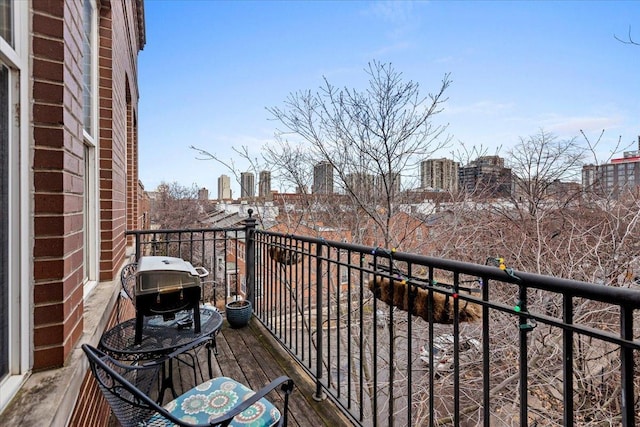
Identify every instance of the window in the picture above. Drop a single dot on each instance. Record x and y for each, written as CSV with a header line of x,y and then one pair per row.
x,y
88,43
6,21
4,220
90,220
15,296
90,114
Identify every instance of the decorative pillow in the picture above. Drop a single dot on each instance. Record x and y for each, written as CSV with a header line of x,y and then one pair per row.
x,y
214,398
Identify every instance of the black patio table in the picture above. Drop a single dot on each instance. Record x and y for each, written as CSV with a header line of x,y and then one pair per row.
x,y
161,338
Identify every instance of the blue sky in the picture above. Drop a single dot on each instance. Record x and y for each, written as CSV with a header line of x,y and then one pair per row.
x,y
210,69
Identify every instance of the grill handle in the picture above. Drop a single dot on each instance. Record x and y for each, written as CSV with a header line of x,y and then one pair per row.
x,y
202,272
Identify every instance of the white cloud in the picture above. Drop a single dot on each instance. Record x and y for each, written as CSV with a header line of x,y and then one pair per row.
x,y
573,124
394,12
445,60
391,48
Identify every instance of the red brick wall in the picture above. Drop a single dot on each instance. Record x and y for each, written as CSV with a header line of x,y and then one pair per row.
x,y
58,165
92,408
118,156
58,181
113,141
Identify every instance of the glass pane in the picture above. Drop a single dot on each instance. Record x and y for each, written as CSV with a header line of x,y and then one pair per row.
x,y
85,214
4,221
6,17
87,66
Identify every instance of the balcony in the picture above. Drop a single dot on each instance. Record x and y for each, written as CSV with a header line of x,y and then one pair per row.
x,y
392,338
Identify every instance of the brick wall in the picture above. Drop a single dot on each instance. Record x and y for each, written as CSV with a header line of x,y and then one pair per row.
x,y
92,408
58,166
58,181
115,70
118,156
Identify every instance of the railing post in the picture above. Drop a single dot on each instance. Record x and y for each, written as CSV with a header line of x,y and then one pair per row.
x,y
524,372
250,265
627,367
567,361
137,237
319,355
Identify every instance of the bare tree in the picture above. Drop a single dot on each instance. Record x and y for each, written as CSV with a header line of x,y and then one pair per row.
x,y
539,164
628,40
370,137
555,228
176,206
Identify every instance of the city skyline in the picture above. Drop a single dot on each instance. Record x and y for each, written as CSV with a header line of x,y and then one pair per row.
x,y
445,174
516,68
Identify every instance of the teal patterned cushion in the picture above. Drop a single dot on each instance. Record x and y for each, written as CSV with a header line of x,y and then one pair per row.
x,y
214,398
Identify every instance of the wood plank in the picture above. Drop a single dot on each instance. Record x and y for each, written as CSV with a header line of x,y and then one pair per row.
x,y
253,357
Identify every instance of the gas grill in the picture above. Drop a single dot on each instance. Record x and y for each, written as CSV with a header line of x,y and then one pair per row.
x,y
164,286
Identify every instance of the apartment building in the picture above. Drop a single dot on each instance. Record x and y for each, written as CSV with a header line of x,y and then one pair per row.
x,y
264,185
614,178
224,188
487,177
322,178
247,185
389,184
439,175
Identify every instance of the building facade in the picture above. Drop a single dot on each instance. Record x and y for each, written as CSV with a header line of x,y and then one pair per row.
x,y
224,188
439,175
247,185
486,177
360,183
203,194
388,185
614,178
322,178
70,189
264,185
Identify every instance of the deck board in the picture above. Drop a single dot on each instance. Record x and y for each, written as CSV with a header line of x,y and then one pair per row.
x,y
251,356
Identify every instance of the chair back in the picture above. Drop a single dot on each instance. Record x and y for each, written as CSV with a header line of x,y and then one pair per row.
x,y
125,308
128,279
125,387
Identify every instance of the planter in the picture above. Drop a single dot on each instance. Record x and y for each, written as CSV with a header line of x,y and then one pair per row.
x,y
238,313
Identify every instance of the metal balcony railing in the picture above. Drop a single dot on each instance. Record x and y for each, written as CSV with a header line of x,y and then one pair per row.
x,y
401,339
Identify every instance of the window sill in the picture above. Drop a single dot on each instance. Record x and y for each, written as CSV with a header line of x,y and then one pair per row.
x,y
49,397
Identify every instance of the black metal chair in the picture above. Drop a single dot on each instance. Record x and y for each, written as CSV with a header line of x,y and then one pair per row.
x,y
218,402
125,309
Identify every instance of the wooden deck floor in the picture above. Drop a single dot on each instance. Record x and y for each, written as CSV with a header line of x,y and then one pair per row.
x,y
251,356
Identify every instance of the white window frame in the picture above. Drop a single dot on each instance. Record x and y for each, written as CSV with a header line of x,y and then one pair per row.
x,y
20,325
91,206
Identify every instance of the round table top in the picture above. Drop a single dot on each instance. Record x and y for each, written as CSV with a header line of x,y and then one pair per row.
x,y
159,337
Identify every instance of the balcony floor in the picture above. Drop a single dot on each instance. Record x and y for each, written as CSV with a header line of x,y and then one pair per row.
x,y
252,356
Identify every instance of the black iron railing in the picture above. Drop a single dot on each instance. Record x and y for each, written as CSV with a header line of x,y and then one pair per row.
x,y
402,339
222,251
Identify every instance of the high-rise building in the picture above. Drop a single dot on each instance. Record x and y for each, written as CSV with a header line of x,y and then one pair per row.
x,y
224,187
203,194
390,181
439,174
613,178
247,185
323,178
360,183
486,176
264,185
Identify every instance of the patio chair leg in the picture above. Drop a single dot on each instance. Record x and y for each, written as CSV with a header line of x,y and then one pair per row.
x,y
212,346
